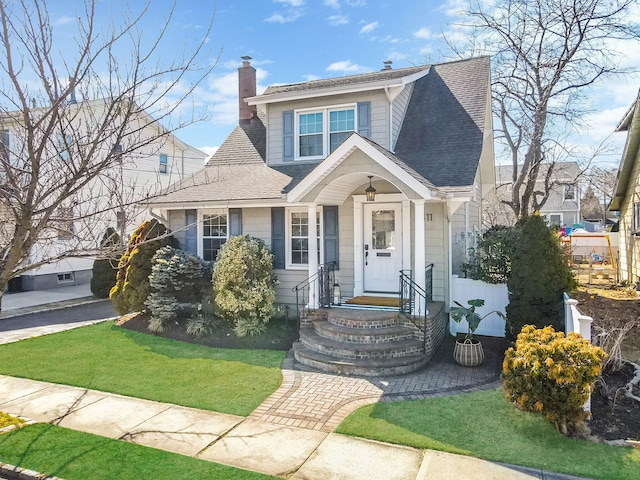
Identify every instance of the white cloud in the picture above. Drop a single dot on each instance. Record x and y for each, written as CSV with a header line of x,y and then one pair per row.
x,y
368,28
335,20
345,66
332,4
280,18
292,3
356,3
208,150
64,20
424,34
310,77
222,95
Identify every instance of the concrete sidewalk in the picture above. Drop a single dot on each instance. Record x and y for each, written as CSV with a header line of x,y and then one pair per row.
x,y
246,443
23,303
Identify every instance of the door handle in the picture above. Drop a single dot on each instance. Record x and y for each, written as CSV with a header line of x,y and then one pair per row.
x,y
366,255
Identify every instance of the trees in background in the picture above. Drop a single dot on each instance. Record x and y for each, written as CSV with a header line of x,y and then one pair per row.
x,y
68,122
545,53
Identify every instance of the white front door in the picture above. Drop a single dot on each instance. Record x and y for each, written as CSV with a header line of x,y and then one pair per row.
x,y
382,247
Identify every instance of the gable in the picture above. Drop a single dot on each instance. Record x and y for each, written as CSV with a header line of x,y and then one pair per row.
x,y
444,127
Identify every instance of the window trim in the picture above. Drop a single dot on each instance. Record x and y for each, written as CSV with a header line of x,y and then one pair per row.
x,y
201,217
326,141
289,265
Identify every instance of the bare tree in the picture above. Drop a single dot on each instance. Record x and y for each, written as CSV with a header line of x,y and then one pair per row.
x,y
602,182
71,121
545,55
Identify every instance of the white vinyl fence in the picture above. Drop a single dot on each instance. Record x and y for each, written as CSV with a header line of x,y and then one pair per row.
x,y
495,297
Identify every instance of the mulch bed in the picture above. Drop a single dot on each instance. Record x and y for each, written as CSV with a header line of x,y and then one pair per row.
x,y
615,416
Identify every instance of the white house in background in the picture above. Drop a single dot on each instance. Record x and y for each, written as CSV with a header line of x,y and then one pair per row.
x,y
140,173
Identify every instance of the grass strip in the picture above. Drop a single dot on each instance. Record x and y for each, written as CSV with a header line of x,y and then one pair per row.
x,y
484,424
113,359
76,455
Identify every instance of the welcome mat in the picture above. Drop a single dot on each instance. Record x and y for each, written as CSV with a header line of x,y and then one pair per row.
x,y
375,301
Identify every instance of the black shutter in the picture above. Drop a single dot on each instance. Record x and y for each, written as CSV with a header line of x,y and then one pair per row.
x,y
331,243
278,236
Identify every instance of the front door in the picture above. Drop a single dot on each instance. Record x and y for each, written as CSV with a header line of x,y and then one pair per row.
x,y
383,247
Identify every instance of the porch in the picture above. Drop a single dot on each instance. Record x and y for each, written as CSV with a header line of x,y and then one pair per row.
x,y
367,335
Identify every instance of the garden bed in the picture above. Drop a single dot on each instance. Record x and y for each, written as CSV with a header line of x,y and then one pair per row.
x,y
280,334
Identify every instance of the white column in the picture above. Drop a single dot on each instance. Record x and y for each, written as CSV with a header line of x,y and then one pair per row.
x,y
419,255
406,235
358,247
313,257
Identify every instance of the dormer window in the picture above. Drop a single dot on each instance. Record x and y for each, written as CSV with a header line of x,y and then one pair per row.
x,y
320,131
569,192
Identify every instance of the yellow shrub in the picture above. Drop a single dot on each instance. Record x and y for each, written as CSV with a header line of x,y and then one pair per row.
x,y
551,373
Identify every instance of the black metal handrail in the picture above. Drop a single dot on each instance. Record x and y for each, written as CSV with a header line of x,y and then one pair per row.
x,y
320,284
414,300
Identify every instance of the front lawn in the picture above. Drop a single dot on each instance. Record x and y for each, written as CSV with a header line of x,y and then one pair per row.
x,y
113,359
483,424
77,456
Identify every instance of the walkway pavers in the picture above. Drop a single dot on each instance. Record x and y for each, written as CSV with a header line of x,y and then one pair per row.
x,y
320,401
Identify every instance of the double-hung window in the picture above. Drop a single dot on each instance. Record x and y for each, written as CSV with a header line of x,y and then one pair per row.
x,y
321,131
164,163
300,233
214,234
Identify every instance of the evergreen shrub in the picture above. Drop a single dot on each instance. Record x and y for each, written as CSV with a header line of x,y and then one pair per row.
x,y
132,280
175,286
540,275
490,260
552,374
244,285
105,268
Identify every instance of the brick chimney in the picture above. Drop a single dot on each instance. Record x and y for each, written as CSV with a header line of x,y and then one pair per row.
x,y
246,89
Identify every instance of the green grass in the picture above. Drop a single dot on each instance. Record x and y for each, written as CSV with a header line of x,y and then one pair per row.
x,y
113,359
77,456
483,424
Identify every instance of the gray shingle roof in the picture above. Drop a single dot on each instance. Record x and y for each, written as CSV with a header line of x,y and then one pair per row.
x,y
342,81
442,133
237,171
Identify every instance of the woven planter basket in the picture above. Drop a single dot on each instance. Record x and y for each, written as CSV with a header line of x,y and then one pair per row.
x,y
468,353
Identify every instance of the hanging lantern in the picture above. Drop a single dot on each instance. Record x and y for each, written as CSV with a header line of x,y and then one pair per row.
x,y
370,191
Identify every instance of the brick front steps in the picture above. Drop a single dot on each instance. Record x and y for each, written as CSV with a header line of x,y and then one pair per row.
x,y
368,342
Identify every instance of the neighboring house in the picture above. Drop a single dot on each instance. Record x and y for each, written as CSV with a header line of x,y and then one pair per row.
x,y
379,173
161,159
562,208
626,197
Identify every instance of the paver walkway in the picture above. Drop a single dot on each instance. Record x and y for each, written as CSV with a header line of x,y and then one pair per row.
x,y
320,401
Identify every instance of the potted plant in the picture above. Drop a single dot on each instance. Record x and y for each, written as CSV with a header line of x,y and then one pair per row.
x,y
468,351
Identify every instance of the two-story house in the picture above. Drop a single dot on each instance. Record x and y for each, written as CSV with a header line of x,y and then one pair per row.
x,y
146,159
562,207
374,174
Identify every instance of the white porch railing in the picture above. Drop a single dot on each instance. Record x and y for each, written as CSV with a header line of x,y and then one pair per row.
x,y
576,322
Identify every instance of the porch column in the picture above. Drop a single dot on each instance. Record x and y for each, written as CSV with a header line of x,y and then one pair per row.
x,y
419,255
358,247
313,256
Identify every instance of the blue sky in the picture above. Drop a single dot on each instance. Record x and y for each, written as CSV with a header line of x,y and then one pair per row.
x,y
297,40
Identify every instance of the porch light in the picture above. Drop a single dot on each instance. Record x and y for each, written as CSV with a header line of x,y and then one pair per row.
x,y
370,191
337,295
